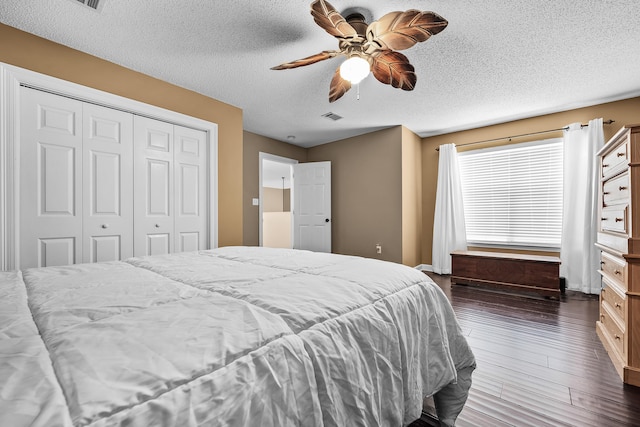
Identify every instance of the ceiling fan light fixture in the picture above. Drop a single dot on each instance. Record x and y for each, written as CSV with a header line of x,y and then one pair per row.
x,y
355,69
370,48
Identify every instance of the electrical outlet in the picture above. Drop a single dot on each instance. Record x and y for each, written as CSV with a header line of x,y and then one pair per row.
x,y
378,248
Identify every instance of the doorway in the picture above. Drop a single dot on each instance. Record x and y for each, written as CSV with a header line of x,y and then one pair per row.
x,y
275,217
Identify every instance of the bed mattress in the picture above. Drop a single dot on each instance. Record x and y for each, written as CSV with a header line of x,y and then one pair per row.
x,y
235,336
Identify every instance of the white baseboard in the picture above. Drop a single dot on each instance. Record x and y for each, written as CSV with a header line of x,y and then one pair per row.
x,y
425,267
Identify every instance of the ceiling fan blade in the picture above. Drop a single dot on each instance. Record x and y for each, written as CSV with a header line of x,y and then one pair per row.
x,y
401,30
326,54
339,86
393,68
333,23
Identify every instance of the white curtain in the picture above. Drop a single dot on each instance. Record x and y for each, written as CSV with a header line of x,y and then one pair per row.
x,y
449,231
578,254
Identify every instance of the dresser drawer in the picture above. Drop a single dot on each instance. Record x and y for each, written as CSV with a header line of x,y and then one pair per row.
x,y
616,159
612,329
616,303
616,190
614,219
614,269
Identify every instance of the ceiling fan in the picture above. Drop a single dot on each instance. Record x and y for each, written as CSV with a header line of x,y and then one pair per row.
x,y
371,47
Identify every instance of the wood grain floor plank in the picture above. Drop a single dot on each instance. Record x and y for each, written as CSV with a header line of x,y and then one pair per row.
x,y
531,385
619,412
557,411
489,384
505,411
472,418
506,347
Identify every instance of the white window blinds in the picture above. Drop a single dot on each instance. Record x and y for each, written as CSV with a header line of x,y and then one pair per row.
x,y
513,194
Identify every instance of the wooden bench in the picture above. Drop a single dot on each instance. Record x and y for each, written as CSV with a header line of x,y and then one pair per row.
x,y
531,273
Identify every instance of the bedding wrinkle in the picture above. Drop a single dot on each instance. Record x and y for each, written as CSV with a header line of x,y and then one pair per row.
x,y
281,292
215,383
76,303
45,401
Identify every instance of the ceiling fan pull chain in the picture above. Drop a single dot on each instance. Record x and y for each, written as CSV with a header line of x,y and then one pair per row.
x,y
358,92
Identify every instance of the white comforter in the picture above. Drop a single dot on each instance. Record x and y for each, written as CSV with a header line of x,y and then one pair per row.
x,y
228,337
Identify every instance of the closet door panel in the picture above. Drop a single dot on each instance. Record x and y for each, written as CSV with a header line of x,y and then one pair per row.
x,y
158,244
56,251
154,187
56,166
108,189
190,242
191,189
105,248
158,187
50,179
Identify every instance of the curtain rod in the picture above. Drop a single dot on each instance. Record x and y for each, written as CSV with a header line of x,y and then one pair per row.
x,y
608,122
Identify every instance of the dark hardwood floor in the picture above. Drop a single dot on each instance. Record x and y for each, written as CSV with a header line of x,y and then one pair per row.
x,y
539,362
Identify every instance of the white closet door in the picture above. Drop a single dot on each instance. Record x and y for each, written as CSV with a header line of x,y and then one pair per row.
x,y
108,189
190,160
50,180
153,182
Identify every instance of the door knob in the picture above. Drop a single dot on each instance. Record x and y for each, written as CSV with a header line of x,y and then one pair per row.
x,y
327,220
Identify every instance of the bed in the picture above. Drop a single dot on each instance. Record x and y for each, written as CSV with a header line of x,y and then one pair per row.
x,y
235,336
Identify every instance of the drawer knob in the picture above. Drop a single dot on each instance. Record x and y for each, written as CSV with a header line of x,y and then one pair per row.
x,y
105,226
605,166
617,272
618,305
602,316
622,188
619,219
616,336
621,154
605,193
604,219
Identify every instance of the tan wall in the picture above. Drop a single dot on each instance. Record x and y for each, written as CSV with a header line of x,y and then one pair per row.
x,y
276,200
366,200
253,145
623,112
37,54
411,198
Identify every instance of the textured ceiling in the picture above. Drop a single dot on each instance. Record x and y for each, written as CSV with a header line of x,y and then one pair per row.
x,y
496,61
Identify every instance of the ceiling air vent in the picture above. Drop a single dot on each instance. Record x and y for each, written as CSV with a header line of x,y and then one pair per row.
x,y
332,116
93,4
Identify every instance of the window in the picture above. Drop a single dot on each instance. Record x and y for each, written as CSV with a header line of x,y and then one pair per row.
x,y
513,194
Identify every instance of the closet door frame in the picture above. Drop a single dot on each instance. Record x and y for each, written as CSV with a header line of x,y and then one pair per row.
x,y
11,78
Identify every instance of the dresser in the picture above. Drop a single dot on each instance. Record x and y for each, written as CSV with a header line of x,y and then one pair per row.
x,y
619,242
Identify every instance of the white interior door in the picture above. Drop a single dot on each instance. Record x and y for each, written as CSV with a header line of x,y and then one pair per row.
x,y
50,179
108,189
153,182
190,162
312,206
